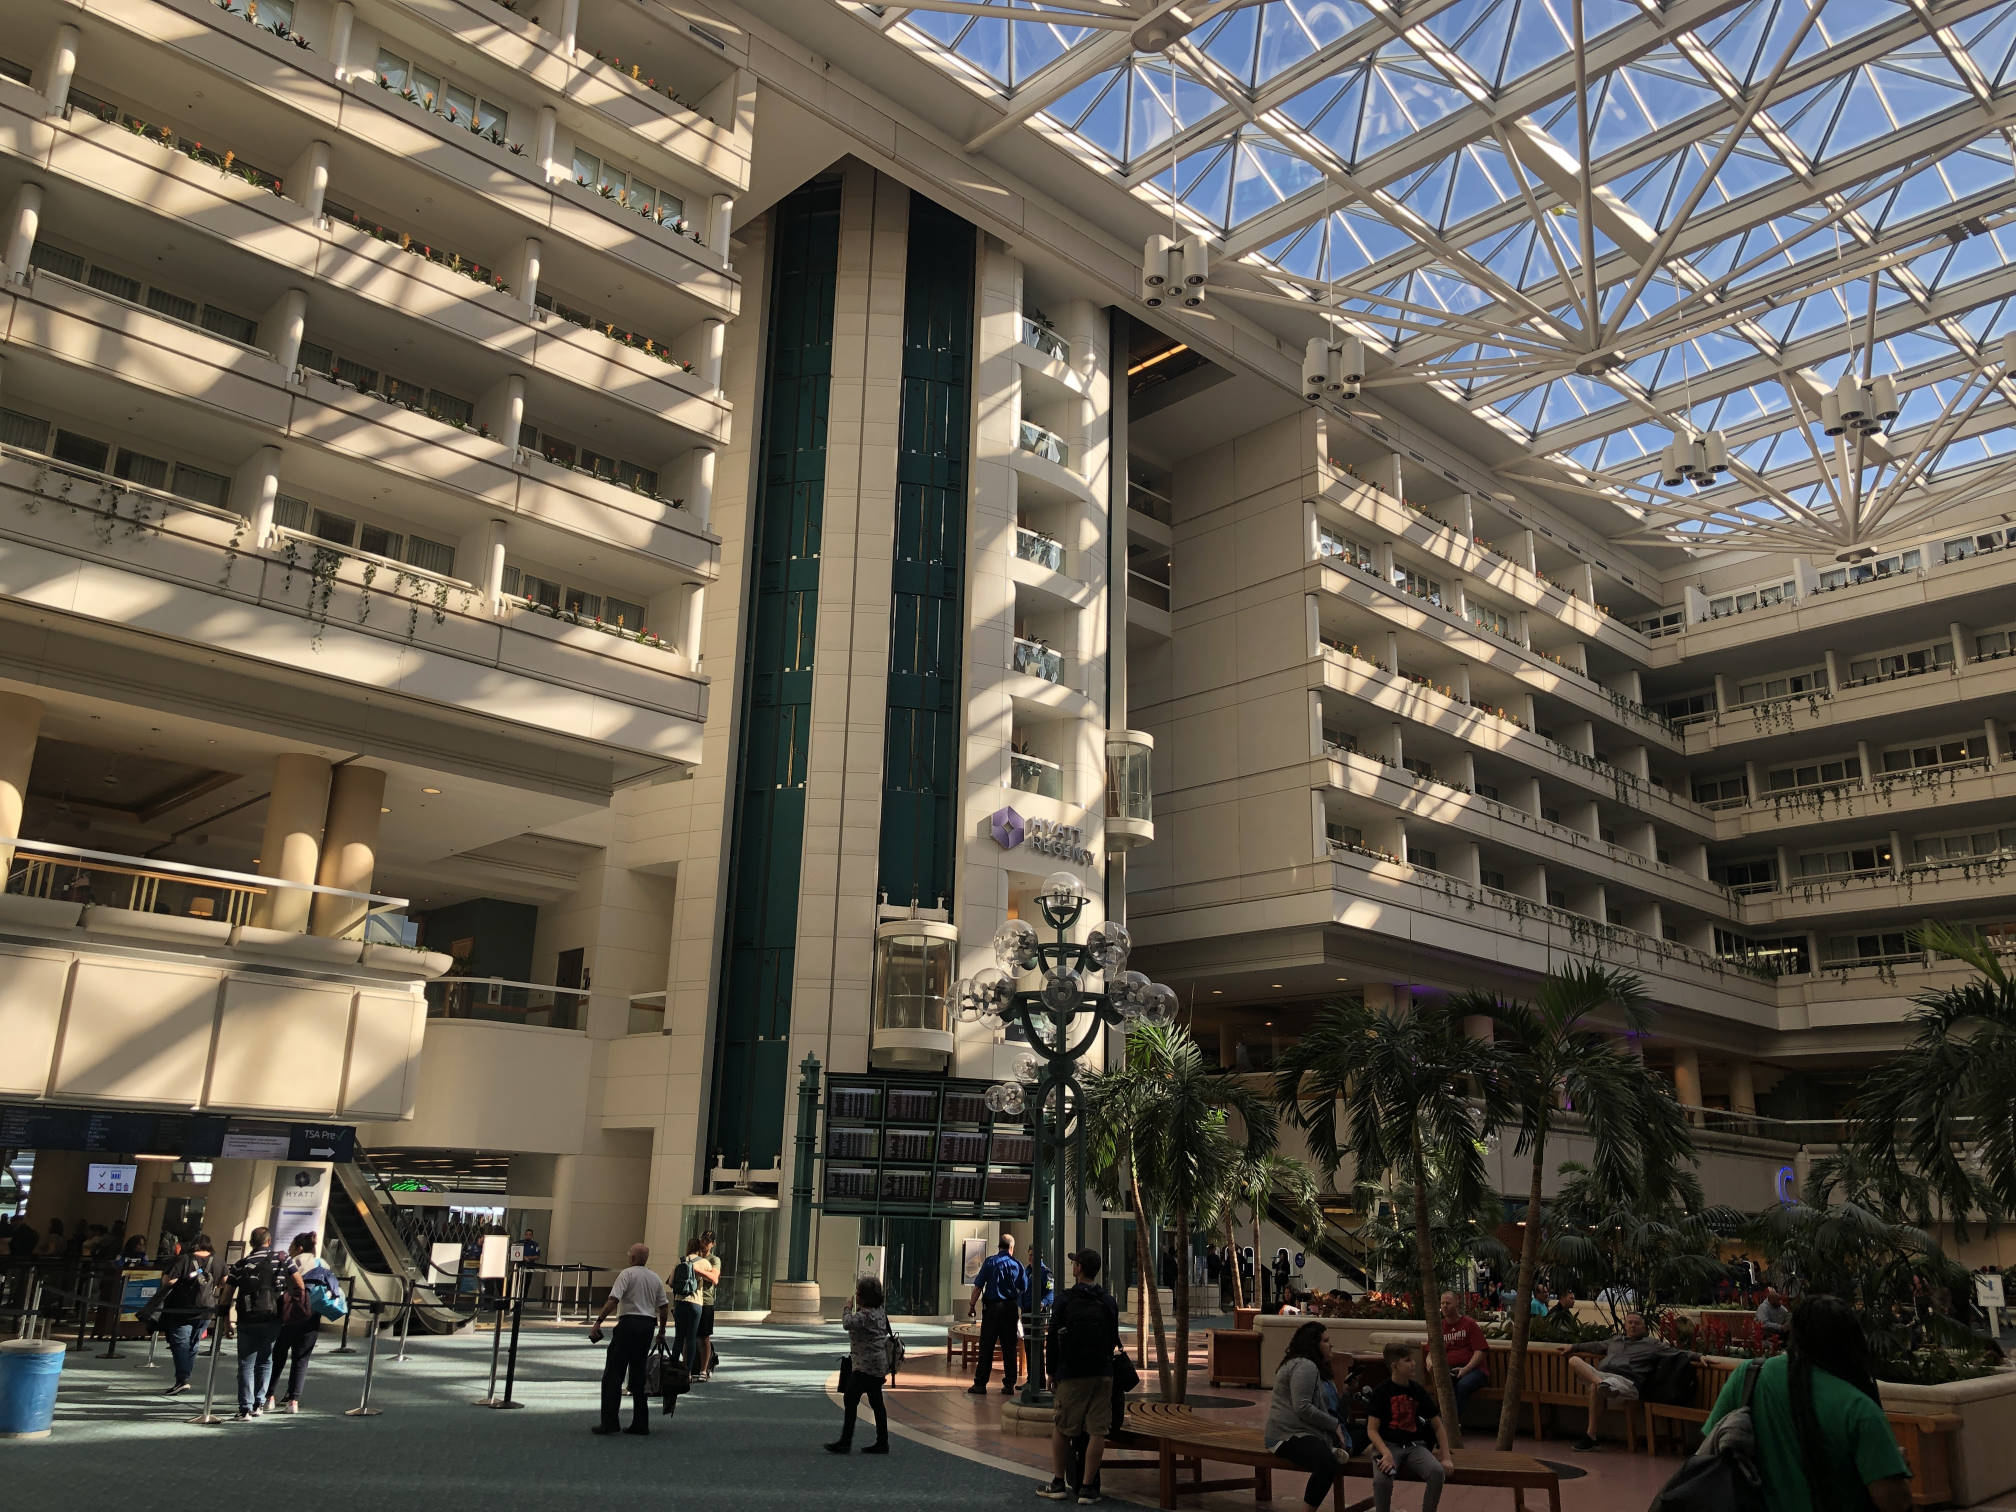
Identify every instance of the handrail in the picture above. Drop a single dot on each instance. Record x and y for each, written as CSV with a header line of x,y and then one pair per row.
x,y
490,981
1045,340
203,873
110,480
1043,442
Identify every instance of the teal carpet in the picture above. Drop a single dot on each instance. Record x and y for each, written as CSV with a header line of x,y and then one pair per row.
x,y
751,1436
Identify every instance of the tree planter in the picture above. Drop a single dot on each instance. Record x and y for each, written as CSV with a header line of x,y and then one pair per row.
x,y
1981,1461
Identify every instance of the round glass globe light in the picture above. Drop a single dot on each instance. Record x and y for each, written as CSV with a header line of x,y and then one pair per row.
x,y
1109,946
1015,947
1062,890
1061,991
1158,1004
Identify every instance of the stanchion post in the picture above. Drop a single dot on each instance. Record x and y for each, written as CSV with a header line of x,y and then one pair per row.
x,y
343,1344
511,1366
489,1398
405,1322
209,1419
364,1407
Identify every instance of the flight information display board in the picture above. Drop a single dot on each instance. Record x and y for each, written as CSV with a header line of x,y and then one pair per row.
x,y
189,1136
921,1147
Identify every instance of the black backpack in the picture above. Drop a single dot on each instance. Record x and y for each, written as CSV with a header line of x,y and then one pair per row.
x,y
256,1279
1723,1475
1088,1332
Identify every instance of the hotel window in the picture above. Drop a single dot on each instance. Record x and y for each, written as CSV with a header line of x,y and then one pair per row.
x,y
1941,753
1419,584
1721,792
1490,876
447,99
1901,663
1791,684
626,187
1812,774
1330,544
1859,858
1993,643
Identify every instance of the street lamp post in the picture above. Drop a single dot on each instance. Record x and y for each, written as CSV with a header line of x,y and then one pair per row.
x,y
1046,1082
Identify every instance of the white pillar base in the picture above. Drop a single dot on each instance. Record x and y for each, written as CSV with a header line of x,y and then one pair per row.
x,y
794,1302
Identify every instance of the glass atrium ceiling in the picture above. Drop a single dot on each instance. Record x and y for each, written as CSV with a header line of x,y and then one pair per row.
x,y
1594,223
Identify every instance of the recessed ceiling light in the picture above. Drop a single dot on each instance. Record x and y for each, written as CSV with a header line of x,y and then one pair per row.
x,y
384,811
1217,992
1269,1024
1343,979
432,792
1274,984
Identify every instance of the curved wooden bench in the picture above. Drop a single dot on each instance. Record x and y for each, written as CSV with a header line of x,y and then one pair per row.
x,y
964,1337
1180,1439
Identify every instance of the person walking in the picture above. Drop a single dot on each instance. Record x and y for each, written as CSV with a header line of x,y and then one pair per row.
x,y
252,1286
868,1336
638,1299
1397,1419
300,1324
997,1298
1084,1336
693,1282
1300,1428
1822,1437
189,1301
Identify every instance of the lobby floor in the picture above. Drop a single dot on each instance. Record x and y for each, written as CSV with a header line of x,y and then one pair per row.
x,y
752,1436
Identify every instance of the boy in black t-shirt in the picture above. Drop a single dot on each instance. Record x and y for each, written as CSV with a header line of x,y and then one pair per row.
x,y
1398,1418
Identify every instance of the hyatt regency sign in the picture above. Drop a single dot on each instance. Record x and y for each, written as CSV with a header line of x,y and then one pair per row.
x,y
1066,842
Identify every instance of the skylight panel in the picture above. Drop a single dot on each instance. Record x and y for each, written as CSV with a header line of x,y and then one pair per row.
x,y
1991,38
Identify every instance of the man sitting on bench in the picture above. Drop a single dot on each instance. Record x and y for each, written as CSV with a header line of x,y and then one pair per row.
x,y
1398,1419
1617,1379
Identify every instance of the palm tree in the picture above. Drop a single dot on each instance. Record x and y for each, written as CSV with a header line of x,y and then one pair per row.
x,y
1953,1087
1651,1240
1256,1182
1460,1235
1557,1060
1179,1149
1415,1092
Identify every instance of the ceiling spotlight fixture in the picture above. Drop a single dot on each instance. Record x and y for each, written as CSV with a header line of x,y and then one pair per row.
x,y
1174,270
1856,408
432,792
1698,462
1333,371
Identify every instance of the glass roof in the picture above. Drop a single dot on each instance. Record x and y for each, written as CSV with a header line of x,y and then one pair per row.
x,y
1714,230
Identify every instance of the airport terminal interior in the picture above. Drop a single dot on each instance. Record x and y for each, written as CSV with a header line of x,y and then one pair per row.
x,y
865,628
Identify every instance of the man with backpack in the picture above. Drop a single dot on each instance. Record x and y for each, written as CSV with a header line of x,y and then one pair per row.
x,y
997,1298
693,1282
188,1299
253,1285
1084,1336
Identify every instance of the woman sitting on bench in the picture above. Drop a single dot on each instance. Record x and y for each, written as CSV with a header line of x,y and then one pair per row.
x,y
1298,1429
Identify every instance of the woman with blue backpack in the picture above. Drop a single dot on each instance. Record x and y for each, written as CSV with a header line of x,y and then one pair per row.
x,y
308,1294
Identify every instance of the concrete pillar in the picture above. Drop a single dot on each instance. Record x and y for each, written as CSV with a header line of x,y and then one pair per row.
x,y
524,276
1644,839
502,409
1864,756
542,143
1753,781
1991,730
1582,582
1527,795
700,486
307,180
20,723
296,810
1631,685
1478,1026
1382,558
1461,769
349,850
1958,632
282,328
1896,853
1463,517
721,224
1637,760
1687,1079
1522,627
1522,550
1742,1087
59,67
342,17
1465,861
254,491
713,342
1833,671
1228,1045
1721,693
24,220
1580,735
567,25
494,534
695,610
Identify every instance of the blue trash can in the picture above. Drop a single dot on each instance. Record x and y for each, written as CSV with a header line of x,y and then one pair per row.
x,y
29,1373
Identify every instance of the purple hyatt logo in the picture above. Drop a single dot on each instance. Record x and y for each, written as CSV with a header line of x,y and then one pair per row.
x,y
1005,825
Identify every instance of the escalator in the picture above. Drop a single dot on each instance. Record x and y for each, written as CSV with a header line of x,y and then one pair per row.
x,y
372,1259
1337,1245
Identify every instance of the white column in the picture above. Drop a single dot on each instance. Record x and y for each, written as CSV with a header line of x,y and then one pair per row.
x,y
307,180
568,26
494,535
59,67
341,18
282,328
722,224
1687,1079
1896,853
254,491
291,851
525,274
349,850
20,723
1833,670
24,219
1960,637
1864,756
713,342
1991,730
502,408
1522,550
700,486
1742,1087
696,607
542,144
1721,693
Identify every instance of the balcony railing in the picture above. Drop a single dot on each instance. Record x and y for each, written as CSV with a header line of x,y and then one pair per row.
x,y
140,884
1032,774
498,1001
647,1013
1045,340
1145,501
1147,590
1043,550
1046,444
1038,660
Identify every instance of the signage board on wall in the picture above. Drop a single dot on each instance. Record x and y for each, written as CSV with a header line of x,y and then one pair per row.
x,y
191,1136
113,1179
300,1202
925,1147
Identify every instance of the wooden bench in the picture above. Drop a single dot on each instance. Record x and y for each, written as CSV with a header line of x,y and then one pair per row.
x,y
1549,1383
1180,1439
965,1338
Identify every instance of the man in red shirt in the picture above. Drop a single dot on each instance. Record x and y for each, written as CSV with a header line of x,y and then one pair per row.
x,y
1469,1356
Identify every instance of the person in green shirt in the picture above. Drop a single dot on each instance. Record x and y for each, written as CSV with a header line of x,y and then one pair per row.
x,y
1819,1423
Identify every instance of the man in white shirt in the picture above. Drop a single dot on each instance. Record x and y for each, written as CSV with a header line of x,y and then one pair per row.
x,y
637,1297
